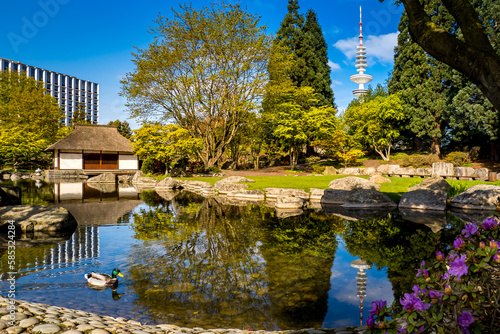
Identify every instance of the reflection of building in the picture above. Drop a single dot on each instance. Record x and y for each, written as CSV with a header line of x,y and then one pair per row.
x,y
70,92
91,206
94,148
361,78
83,244
361,283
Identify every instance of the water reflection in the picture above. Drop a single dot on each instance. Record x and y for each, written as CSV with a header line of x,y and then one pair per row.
x,y
195,261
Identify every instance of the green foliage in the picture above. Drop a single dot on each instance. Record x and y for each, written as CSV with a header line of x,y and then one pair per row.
x,y
165,143
80,115
318,169
457,158
375,123
152,166
205,70
415,160
213,170
349,158
29,118
123,128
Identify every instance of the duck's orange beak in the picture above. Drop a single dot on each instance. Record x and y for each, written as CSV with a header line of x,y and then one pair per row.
x,y
120,274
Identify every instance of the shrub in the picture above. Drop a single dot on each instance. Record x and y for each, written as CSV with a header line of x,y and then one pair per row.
x,y
416,160
152,166
457,158
213,170
312,159
318,169
456,293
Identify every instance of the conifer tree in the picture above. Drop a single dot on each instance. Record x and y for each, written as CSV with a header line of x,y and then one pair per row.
x,y
424,84
313,54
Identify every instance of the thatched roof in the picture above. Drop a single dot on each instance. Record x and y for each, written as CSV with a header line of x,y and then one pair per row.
x,y
93,138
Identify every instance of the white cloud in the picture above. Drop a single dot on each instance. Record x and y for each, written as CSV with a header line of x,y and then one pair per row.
x,y
333,66
337,83
378,48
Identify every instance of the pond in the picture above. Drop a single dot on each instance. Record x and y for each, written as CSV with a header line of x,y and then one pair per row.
x,y
199,262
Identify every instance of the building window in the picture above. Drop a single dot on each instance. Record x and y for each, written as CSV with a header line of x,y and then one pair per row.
x,y
40,75
15,67
5,66
32,72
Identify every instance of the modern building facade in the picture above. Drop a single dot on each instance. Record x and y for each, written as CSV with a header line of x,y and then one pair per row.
x,y
70,92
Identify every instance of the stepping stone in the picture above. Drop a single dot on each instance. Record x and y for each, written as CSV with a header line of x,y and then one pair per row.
x,y
25,323
46,329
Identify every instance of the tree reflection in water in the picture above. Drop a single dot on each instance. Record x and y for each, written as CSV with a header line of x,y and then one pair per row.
x,y
214,265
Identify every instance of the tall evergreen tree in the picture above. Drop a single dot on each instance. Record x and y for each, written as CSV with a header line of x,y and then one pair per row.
x,y
424,83
314,57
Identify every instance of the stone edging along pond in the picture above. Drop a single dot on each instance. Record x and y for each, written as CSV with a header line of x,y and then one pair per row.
x,y
17,316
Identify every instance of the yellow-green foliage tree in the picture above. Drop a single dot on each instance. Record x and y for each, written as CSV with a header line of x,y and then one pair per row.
x,y
376,123
29,118
205,71
165,143
290,111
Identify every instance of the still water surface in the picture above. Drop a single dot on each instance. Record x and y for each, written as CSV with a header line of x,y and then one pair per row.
x,y
199,262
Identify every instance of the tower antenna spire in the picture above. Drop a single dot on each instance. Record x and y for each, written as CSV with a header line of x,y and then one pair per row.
x,y
361,78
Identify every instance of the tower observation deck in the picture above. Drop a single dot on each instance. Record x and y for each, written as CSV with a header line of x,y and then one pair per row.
x,y
361,78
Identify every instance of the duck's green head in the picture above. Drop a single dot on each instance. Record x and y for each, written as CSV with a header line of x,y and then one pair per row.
x,y
116,272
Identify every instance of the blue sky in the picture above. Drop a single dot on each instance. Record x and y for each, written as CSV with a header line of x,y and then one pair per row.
x,y
93,40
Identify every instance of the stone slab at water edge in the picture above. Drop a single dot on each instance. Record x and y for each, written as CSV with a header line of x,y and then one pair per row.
x,y
18,316
37,218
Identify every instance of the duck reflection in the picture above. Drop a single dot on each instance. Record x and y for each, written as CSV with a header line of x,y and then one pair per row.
x,y
114,291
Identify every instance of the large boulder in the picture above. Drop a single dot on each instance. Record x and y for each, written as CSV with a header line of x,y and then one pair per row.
x,y
37,219
442,169
353,183
351,171
387,169
289,202
480,197
103,178
330,170
169,183
106,188
316,194
379,179
430,194
276,192
482,173
136,176
359,198
424,172
423,199
434,182
10,196
464,172
227,187
254,195
405,171
368,198
235,179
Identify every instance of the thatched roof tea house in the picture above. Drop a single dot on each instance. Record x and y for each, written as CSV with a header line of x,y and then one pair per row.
x,y
94,147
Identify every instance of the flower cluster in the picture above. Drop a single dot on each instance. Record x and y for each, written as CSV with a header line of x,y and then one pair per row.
x,y
458,292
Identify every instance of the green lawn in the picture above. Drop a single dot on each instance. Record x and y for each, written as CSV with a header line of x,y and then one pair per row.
x,y
394,190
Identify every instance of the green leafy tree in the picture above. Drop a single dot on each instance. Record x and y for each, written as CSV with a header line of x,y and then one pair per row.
x,y
473,53
375,123
205,71
29,118
123,128
80,115
165,143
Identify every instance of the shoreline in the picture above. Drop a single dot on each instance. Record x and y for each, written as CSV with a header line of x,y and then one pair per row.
x,y
28,317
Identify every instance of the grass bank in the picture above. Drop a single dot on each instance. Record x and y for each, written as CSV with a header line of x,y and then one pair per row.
x,y
394,190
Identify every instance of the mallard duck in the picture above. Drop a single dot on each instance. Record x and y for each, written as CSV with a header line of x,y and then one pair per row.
x,y
99,279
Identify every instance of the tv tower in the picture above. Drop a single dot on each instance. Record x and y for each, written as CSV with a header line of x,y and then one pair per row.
x,y
361,78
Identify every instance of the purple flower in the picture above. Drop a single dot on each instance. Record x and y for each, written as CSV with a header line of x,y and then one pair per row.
x,y
466,320
458,267
377,306
469,229
489,223
401,330
421,271
459,243
440,256
418,291
435,296
370,322
412,302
